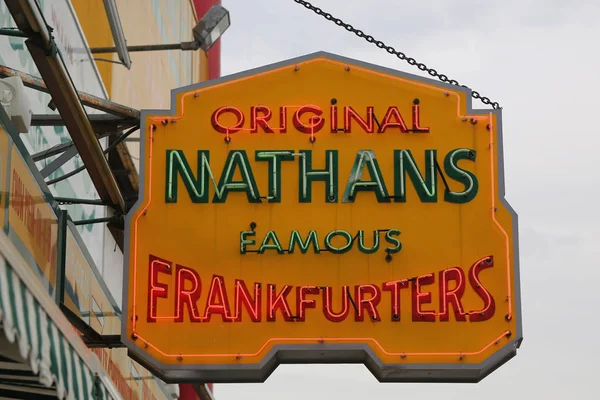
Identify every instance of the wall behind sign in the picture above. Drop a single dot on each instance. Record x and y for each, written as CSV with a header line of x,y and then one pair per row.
x,y
152,75
31,223
73,47
86,294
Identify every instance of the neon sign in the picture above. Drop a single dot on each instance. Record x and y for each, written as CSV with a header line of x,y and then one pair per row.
x,y
188,288
331,218
310,119
405,169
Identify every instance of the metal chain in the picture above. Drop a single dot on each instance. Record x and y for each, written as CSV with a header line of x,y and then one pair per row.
x,y
432,72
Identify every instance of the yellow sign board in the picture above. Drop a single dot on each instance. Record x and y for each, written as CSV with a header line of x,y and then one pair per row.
x,y
322,210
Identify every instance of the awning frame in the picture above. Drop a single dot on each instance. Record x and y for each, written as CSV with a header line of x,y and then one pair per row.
x,y
13,260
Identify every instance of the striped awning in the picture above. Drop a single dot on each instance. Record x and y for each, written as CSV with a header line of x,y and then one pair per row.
x,y
48,346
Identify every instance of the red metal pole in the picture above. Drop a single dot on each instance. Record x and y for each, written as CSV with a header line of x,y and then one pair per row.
x,y
214,54
187,392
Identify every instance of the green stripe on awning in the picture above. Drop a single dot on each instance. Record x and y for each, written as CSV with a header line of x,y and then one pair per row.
x,y
39,340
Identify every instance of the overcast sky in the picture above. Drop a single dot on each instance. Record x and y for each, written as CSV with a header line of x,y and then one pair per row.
x,y
541,60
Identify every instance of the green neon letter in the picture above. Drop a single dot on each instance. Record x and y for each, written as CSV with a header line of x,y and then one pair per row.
x,y
246,242
344,248
237,159
361,242
328,175
296,238
425,188
270,237
197,188
274,158
467,178
389,237
376,184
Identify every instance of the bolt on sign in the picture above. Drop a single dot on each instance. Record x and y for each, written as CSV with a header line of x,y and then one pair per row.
x,y
322,210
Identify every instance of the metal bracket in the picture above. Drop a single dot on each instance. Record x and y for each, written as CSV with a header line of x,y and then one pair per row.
x,y
69,201
193,45
110,341
52,151
87,99
59,161
100,122
115,218
90,337
110,148
61,257
103,125
14,32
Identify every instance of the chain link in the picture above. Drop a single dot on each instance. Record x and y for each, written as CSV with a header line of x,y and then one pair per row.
x,y
432,72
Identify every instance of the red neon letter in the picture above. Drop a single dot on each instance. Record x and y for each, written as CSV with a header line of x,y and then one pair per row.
x,y
489,305
243,296
395,288
278,302
333,122
328,308
370,304
282,119
416,120
302,303
155,288
239,115
187,297
316,121
260,120
350,114
393,113
217,302
452,297
419,298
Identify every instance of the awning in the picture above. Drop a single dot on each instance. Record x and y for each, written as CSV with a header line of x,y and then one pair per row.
x,y
44,340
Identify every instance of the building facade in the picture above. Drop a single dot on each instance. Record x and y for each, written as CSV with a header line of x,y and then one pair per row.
x,y
56,268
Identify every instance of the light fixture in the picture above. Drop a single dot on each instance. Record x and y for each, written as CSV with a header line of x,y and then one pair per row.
x,y
210,28
206,33
15,102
